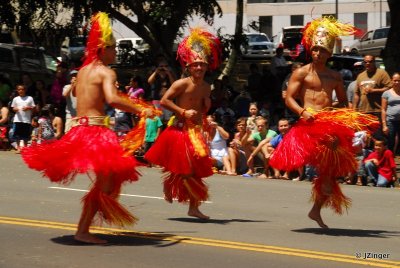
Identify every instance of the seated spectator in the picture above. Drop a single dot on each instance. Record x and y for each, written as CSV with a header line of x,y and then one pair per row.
x,y
263,132
380,165
360,141
236,150
45,129
35,131
267,147
4,126
217,137
251,120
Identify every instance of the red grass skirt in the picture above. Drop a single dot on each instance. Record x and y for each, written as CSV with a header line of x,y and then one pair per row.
x,y
325,145
88,149
184,169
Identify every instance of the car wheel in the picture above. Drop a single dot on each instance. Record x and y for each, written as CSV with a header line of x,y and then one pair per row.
x,y
354,51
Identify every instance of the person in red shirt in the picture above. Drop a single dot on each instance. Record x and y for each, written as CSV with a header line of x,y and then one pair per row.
x,y
380,165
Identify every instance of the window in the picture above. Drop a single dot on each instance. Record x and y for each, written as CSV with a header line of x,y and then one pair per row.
x,y
296,20
6,55
361,22
266,25
29,58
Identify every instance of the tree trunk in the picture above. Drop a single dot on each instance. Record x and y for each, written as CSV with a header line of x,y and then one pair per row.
x,y
235,51
391,56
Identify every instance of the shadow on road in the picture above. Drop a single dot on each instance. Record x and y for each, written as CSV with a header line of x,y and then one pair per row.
x,y
348,232
113,240
214,221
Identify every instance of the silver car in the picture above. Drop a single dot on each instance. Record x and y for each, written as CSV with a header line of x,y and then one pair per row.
x,y
371,43
258,45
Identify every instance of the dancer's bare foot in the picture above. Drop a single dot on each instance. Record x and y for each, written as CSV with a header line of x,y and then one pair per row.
x,y
168,197
315,216
195,212
89,238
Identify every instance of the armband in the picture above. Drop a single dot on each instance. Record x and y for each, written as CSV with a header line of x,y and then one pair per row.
x,y
302,111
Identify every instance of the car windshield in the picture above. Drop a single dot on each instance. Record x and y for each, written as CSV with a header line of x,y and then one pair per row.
x,y
257,38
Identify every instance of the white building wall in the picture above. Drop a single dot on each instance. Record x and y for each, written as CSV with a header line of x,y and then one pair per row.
x,y
281,13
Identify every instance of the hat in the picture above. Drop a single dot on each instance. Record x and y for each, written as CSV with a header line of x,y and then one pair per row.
x,y
322,32
73,72
200,46
100,37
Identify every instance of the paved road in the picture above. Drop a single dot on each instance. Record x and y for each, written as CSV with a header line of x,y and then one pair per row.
x,y
255,223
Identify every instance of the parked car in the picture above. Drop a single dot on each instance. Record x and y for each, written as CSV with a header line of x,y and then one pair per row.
x,y
258,45
16,60
73,49
290,39
372,42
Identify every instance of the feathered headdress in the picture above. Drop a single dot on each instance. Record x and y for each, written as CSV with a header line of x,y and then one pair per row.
x,y
100,36
323,32
200,46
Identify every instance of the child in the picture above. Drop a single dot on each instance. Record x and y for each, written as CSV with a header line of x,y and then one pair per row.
x,y
237,152
46,131
380,165
22,105
135,89
153,130
35,131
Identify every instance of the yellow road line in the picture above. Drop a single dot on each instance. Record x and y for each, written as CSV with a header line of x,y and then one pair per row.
x,y
207,242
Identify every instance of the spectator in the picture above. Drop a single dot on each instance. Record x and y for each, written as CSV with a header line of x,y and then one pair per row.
x,y
70,108
45,129
241,103
279,64
263,132
224,110
358,67
371,83
35,130
22,106
57,87
237,152
360,142
251,120
153,130
56,121
4,112
289,114
42,96
160,80
5,90
217,137
254,81
27,82
135,88
380,165
391,112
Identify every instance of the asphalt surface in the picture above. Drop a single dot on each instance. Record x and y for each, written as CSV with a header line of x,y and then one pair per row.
x,y
254,223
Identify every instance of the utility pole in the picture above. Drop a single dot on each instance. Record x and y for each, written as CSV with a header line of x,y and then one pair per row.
x,y
337,9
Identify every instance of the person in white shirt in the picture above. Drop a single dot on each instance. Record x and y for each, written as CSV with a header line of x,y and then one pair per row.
x,y
22,106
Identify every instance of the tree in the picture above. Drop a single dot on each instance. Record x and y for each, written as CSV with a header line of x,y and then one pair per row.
x,y
392,52
236,41
158,22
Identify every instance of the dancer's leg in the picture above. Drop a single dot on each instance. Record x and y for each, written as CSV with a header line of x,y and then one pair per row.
x,y
89,211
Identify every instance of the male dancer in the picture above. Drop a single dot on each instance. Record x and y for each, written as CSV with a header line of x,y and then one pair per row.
x,y
91,146
321,139
181,148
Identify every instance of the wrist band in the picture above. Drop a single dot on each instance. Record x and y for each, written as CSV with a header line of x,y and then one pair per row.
x,y
302,111
183,113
